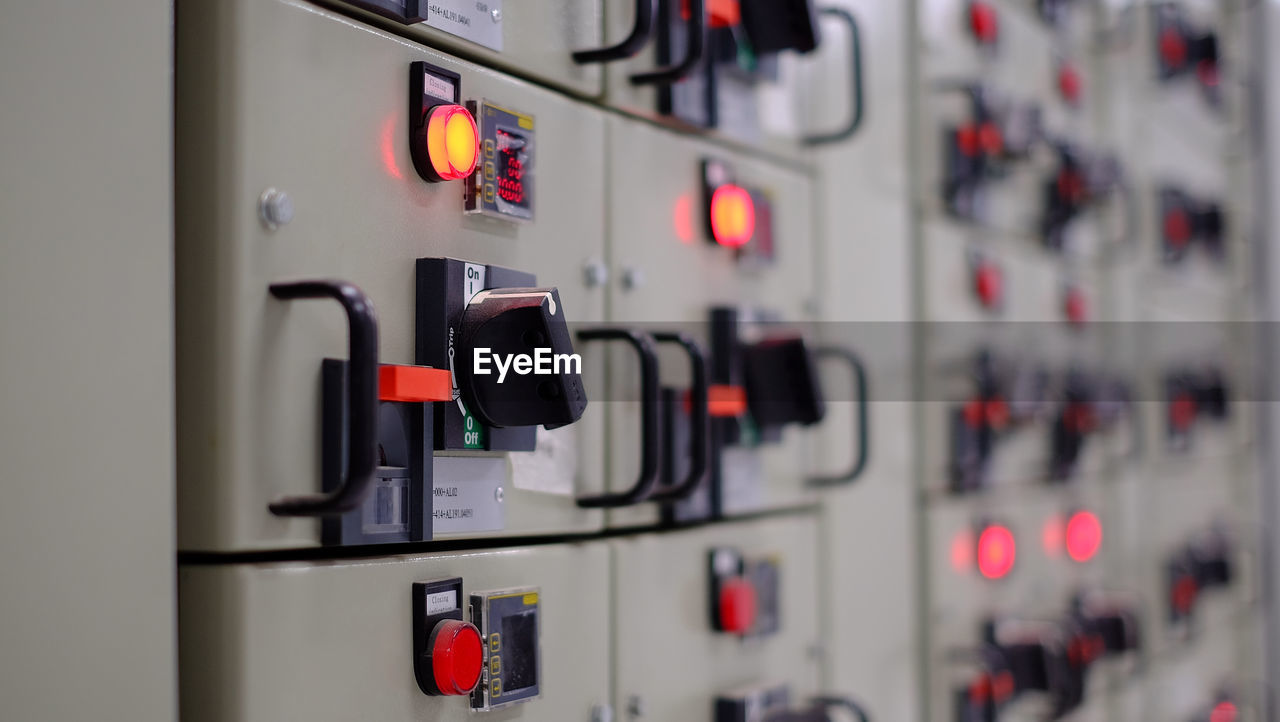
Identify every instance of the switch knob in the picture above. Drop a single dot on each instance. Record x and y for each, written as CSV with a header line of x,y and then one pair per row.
x,y
457,656
524,331
782,383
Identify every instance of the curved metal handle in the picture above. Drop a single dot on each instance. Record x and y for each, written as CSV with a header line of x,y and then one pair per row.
x,y
649,418
858,109
646,10
862,434
362,399
843,703
694,50
701,420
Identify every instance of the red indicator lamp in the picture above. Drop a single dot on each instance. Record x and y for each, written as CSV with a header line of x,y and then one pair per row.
x,y
988,284
983,22
457,656
1069,83
1177,227
1083,536
733,215
736,606
1224,712
997,551
1182,411
1075,307
452,142
1173,47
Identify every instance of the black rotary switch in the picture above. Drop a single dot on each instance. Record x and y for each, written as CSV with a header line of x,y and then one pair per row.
x,y
515,362
782,383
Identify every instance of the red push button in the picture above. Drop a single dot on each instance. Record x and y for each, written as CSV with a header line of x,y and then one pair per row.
x,y
1177,227
988,284
737,606
457,656
1075,307
1173,48
983,22
1069,83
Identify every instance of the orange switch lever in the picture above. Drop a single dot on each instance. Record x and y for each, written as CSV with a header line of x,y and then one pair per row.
x,y
414,384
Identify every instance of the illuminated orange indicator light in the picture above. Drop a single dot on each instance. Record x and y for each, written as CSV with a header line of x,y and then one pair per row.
x,y
733,216
453,142
997,551
1084,536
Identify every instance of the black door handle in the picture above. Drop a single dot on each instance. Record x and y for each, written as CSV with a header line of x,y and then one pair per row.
x,y
856,96
862,434
649,420
362,399
694,50
632,44
700,420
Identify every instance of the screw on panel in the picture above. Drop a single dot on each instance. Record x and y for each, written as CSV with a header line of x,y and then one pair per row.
x,y
496,14
595,273
635,706
498,495
275,208
632,278
602,713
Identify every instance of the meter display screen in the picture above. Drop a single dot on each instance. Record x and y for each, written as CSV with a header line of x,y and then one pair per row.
x,y
503,188
510,167
520,632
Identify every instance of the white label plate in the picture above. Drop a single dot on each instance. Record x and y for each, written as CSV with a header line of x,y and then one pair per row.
x,y
479,21
464,494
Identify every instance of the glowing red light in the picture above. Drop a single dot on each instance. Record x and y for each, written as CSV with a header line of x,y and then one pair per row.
x,y
453,141
733,215
1052,535
1084,536
962,551
1223,712
682,218
388,146
997,551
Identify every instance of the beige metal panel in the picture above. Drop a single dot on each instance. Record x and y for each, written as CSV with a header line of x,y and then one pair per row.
x,y
538,39
86,362
333,640
257,109
667,273
667,660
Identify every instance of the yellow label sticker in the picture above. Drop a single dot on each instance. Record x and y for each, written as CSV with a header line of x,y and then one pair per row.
x,y
530,598
526,122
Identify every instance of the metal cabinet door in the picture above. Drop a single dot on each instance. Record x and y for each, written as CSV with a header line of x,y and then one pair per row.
x,y
531,40
283,95
669,274
333,640
667,660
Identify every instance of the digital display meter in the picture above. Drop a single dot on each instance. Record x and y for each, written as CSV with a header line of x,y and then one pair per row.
x,y
504,186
